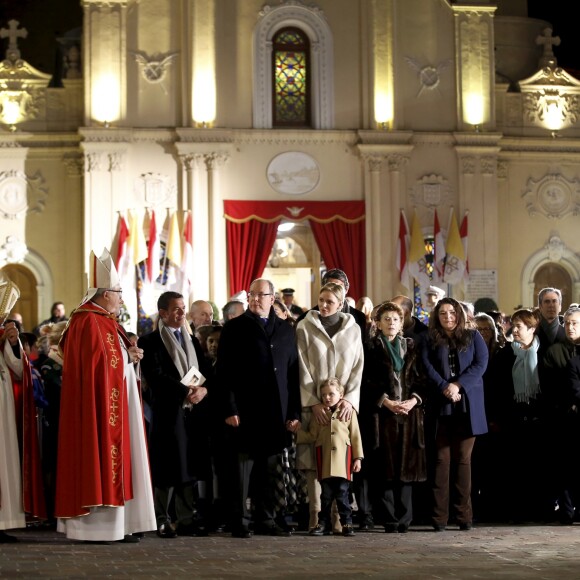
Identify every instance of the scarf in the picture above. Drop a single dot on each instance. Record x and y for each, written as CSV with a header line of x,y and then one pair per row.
x,y
331,324
525,372
182,359
394,349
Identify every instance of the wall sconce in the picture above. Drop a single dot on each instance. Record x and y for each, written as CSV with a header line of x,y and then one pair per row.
x,y
13,105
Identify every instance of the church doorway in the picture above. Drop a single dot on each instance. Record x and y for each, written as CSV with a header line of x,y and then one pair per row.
x,y
27,304
294,262
554,276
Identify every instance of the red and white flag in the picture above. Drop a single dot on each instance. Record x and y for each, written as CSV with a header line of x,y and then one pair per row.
x,y
153,250
439,257
403,249
464,239
122,260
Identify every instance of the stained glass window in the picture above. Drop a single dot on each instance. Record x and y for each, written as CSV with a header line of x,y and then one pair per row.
x,y
291,51
420,312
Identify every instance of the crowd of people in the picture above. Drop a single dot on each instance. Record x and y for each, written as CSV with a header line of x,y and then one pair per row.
x,y
276,419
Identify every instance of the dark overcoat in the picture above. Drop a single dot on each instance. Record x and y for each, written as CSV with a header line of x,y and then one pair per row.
x,y
472,364
398,441
179,438
257,376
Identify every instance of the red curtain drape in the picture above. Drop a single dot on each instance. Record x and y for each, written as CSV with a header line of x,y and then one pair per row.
x,y
342,245
338,228
249,245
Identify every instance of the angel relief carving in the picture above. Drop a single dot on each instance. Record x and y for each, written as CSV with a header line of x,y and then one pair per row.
x,y
154,68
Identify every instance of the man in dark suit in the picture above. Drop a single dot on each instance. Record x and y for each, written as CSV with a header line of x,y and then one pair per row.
x,y
257,376
179,440
550,330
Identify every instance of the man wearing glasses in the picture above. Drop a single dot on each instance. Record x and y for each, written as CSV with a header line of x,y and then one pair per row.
x,y
103,489
257,376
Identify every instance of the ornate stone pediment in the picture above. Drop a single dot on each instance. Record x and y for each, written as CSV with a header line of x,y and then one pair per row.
x,y
552,196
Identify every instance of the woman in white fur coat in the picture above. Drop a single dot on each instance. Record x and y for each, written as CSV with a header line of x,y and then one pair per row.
x,y
329,345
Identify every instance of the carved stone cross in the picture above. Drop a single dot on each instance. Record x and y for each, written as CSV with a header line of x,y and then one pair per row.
x,y
548,41
12,33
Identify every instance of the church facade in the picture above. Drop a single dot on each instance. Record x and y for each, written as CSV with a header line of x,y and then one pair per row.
x,y
391,106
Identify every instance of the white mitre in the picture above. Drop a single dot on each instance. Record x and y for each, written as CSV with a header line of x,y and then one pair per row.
x,y
9,294
102,274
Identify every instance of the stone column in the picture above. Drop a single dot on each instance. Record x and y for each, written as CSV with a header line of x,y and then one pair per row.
x,y
104,57
475,64
217,229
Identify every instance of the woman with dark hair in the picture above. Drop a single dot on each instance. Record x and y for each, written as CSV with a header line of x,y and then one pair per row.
x,y
516,387
392,410
455,358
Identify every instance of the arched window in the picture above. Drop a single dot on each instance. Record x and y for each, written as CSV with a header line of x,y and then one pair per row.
x,y
291,76
277,23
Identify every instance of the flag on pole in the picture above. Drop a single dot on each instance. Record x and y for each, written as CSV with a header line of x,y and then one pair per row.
x,y
403,249
187,257
417,259
464,239
122,250
137,239
439,257
455,256
173,255
153,250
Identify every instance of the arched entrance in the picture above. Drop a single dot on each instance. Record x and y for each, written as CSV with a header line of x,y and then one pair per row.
x,y
27,304
554,276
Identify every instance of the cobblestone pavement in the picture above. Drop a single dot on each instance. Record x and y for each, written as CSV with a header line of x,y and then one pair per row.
x,y
530,552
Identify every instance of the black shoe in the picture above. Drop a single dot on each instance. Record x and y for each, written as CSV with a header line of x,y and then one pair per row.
x,y
318,530
439,527
7,539
273,530
391,528
130,539
465,527
347,530
403,528
139,535
166,531
193,530
241,532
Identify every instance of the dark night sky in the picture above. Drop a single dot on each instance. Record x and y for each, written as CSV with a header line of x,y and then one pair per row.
x,y
47,19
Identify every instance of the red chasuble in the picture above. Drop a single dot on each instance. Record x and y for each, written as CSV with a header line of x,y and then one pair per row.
x,y
94,459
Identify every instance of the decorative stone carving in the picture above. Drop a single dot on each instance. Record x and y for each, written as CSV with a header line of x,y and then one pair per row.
x,y
116,161
502,169
374,162
547,41
468,165
191,160
488,165
553,196
156,189
93,162
397,162
154,68
73,166
293,173
12,251
431,191
429,76
555,248
564,108
21,195
215,160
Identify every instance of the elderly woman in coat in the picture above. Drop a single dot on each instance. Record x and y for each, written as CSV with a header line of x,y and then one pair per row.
x,y
392,394
329,345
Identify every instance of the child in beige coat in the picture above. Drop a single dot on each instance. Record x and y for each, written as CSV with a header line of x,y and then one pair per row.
x,y
338,451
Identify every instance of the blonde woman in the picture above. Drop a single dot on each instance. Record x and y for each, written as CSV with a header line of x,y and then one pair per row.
x,y
329,345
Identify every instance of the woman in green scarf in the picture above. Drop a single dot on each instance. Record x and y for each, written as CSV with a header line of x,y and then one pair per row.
x,y
392,400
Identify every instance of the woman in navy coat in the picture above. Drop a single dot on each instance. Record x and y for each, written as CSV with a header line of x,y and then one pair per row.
x,y
455,358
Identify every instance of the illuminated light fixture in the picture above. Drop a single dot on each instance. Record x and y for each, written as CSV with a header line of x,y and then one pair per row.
x,y
13,107
106,99
203,108
474,108
286,227
553,114
383,110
